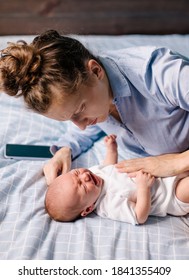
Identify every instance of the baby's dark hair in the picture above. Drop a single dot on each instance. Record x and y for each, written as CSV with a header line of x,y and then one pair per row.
x,y
30,70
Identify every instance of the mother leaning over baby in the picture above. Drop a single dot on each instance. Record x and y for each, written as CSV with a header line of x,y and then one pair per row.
x,y
141,94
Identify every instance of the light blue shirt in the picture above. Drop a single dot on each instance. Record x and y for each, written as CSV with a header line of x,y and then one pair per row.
x,y
150,88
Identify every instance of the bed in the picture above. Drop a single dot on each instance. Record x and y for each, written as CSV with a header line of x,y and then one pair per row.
x,y
26,231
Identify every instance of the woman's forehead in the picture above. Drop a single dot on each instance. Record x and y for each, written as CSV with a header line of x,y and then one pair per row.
x,y
64,109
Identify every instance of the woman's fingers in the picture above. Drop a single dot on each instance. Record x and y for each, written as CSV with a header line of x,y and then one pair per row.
x,y
158,166
130,165
60,163
51,170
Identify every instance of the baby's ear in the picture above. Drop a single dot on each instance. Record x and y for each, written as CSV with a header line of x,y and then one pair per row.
x,y
87,211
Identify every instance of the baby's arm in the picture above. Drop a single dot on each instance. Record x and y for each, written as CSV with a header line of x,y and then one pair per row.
x,y
144,182
111,156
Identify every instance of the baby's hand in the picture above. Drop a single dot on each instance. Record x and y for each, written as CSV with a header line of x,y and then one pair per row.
x,y
144,180
110,141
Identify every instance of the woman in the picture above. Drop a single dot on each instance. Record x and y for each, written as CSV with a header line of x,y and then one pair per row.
x,y
139,94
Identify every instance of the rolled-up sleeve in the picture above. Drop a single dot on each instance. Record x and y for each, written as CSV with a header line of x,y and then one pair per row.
x,y
79,140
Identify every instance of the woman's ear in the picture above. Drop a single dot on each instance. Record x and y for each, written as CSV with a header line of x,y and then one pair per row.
x,y
95,68
87,211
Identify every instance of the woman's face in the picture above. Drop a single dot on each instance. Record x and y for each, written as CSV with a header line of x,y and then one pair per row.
x,y
88,106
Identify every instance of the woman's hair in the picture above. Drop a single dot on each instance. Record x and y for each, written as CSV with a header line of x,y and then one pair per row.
x,y
30,70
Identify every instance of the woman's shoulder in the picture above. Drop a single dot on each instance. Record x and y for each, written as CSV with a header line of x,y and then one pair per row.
x,y
133,51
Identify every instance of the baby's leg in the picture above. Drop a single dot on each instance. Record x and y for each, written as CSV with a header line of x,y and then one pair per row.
x,y
182,190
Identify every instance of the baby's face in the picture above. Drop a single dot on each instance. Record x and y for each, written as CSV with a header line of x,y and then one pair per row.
x,y
83,185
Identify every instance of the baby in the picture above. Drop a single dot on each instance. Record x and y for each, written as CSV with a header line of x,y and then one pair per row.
x,y
119,196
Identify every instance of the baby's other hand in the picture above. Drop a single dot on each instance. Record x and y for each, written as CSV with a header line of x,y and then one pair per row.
x,y
110,141
144,180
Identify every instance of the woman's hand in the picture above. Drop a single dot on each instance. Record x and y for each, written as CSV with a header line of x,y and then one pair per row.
x,y
60,163
159,166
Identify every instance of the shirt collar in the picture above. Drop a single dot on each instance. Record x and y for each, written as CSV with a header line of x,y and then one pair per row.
x,y
118,82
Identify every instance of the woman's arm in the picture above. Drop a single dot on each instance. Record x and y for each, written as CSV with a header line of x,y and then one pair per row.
x,y
163,73
79,140
60,163
159,166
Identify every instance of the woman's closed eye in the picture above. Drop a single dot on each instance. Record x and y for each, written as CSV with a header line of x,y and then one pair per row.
x,y
81,110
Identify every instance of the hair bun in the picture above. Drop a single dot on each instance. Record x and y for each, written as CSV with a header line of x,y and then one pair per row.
x,y
48,36
20,68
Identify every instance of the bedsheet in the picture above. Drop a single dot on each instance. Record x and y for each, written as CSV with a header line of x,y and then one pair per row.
x,y
26,231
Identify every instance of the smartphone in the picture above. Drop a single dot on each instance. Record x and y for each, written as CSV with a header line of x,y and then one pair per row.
x,y
27,152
